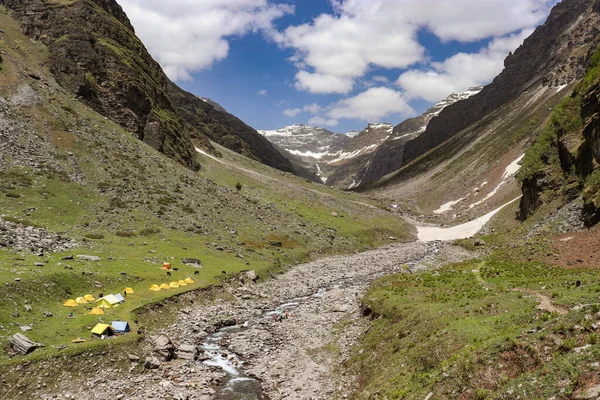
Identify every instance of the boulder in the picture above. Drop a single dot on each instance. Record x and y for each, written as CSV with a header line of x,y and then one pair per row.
x,y
192,262
22,344
85,257
187,352
152,363
164,347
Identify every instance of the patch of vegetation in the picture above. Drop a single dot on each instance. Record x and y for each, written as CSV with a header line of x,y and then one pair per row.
x,y
472,330
94,236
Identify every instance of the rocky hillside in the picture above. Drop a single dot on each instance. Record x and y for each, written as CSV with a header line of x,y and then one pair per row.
x,y
470,171
563,162
212,121
553,55
95,55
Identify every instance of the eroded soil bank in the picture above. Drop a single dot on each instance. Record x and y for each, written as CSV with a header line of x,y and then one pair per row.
x,y
295,358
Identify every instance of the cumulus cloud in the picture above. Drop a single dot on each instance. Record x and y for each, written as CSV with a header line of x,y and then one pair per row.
x,y
334,50
292,112
189,35
461,71
313,108
371,105
320,121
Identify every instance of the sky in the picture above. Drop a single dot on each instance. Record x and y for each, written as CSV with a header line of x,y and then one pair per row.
x,y
338,64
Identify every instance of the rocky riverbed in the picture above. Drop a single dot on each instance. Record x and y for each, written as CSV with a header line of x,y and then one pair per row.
x,y
297,357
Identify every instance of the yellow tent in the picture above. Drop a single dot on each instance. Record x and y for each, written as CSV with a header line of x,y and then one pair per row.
x,y
109,301
164,286
70,303
189,280
89,297
96,311
155,288
81,300
102,330
128,290
173,285
182,283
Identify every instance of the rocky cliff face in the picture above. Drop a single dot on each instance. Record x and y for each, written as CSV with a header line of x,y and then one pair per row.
x,y
95,54
211,120
554,54
563,162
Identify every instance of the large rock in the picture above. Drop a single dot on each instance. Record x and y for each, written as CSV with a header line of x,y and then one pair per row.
x,y
152,363
163,347
187,352
22,344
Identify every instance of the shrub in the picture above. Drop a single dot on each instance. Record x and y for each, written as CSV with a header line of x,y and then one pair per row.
x,y
238,186
126,234
95,236
149,231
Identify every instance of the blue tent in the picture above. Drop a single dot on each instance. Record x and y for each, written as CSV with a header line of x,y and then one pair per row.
x,y
120,297
120,326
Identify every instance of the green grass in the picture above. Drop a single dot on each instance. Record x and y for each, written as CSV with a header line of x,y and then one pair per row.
x,y
463,330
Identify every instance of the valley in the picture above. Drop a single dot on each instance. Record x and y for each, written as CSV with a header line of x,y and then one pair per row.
x,y
452,255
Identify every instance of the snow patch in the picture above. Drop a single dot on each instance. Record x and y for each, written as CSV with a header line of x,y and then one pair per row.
x,y
509,172
354,184
448,206
430,234
311,154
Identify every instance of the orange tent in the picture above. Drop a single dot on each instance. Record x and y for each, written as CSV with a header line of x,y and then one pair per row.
x,y
166,265
96,311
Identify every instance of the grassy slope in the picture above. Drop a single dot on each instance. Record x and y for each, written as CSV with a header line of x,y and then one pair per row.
x,y
67,169
464,332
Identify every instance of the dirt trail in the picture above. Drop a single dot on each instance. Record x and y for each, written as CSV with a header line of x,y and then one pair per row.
x,y
296,358
546,303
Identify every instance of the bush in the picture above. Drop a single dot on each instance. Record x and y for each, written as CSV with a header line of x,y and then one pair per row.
x,y
238,186
126,234
149,231
95,236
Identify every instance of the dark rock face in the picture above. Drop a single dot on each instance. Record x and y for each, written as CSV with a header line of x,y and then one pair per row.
x,y
95,54
226,129
547,55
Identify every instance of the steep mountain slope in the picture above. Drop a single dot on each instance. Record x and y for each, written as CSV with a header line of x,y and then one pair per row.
x,y
547,57
95,54
466,174
390,155
563,163
226,129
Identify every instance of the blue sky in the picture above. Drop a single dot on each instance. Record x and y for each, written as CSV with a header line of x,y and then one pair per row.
x,y
338,64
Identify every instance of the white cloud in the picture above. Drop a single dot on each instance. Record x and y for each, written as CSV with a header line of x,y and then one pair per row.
x,y
190,35
461,71
263,92
380,79
320,121
371,105
323,83
334,50
292,112
313,108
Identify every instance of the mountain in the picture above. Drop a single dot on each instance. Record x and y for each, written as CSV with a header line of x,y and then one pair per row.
x,y
95,55
212,121
464,163
347,161
389,157
334,158
545,57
